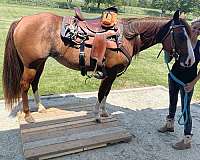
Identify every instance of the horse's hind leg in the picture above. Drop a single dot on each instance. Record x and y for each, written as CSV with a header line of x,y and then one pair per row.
x,y
27,78
34,85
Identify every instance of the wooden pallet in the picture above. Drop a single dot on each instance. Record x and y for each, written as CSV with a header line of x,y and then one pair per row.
x,y
59,132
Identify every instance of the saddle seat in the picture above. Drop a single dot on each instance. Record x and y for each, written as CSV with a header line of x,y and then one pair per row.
x,y
94,25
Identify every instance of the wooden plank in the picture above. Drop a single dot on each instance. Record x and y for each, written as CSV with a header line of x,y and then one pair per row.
x,y
38,117
70,107
48,134
73,137
61,154
57,125
72,152
65,124
58,112
78,107
117,135
94,146
25,125
68,125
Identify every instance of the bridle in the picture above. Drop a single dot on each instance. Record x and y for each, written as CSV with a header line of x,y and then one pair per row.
x,y
174,53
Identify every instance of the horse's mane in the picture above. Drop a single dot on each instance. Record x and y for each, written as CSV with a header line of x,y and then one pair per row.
x,y
130,19
153,22
147,27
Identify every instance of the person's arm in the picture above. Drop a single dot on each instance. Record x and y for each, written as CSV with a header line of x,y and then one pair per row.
x,y
190,86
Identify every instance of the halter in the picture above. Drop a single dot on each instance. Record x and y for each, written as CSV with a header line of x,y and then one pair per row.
x,y
173,42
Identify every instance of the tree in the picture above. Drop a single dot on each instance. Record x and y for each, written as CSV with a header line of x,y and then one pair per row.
x,y
196,6
144,3
172,5
164,5
186,5
107,2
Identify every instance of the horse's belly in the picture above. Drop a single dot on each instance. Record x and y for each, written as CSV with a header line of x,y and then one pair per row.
x,y
67,63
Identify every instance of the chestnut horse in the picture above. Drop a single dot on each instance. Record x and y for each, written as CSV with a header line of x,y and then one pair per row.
x,y
32,39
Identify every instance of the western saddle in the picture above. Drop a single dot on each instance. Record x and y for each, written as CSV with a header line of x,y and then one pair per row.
x,y
99,34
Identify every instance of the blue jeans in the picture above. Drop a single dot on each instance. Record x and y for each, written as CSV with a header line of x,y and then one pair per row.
x,y
174,89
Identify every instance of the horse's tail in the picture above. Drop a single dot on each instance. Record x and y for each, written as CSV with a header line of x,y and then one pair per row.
x,y
12,70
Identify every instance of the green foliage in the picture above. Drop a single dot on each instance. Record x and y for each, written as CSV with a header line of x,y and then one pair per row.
x,y
164,5
105,2
132,3
46,3
196,7
187,5
172,5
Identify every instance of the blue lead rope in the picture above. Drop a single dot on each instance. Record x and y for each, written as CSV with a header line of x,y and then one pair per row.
x,y
184,111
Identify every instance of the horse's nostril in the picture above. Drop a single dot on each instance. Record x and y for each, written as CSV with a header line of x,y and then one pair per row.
x,y
189,62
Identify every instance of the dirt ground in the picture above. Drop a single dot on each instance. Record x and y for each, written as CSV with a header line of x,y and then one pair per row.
x,y
141,111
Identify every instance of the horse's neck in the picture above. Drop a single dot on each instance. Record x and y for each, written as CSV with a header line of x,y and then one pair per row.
x,y
150,33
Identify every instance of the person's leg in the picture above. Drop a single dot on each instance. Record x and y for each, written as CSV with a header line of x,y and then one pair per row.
x,y
173,98
185,143
174,88
188,125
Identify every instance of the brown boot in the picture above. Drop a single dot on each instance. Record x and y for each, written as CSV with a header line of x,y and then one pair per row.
x,y
168,127
185,143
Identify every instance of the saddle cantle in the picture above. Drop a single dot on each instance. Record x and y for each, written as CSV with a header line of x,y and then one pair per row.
x,y
99,33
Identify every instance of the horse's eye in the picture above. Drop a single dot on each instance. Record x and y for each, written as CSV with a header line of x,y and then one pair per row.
x,y
180,37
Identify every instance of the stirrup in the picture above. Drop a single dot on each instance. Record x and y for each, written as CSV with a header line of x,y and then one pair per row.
x,y
99,75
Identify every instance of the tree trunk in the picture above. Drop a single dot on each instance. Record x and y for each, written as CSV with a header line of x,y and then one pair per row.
x,y
98,5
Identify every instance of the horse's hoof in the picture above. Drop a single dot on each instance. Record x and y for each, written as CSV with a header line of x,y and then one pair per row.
x,y
29,118
105,114
41,109
97,116
98,120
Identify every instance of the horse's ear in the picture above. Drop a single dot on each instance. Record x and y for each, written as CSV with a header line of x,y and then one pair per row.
x,y
183,16
176,15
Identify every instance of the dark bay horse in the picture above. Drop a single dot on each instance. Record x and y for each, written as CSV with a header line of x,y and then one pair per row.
x,y
32,39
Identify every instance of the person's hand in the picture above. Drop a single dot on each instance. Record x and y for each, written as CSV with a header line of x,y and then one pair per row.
x,y
189,86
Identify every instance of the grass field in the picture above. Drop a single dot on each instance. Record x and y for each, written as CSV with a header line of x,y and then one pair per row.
x,y
145,70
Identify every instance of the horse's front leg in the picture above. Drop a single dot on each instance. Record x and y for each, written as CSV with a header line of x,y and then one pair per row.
x,y
105,87
39,105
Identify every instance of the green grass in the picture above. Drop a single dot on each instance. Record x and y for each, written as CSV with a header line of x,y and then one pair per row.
x,y
145,69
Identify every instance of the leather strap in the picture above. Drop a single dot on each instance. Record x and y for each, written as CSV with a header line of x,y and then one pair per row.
x,y
125,52
82,59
